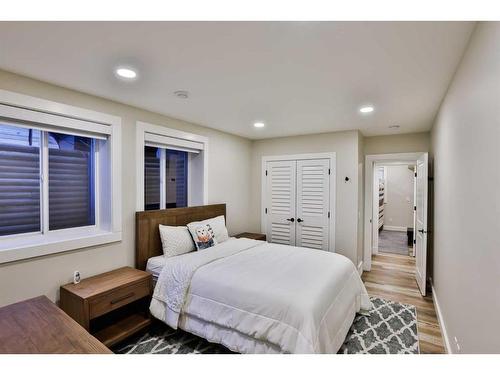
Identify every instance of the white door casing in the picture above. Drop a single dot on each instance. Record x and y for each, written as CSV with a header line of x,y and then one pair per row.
x,y
370,163
280,194
421,222
313,204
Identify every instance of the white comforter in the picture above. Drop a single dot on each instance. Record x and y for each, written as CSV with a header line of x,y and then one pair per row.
x,y
300,300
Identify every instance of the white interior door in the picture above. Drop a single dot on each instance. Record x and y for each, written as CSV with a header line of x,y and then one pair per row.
x,y
421,222
281,201
313,203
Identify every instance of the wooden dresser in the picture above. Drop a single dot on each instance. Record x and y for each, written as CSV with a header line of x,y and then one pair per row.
x,y
38,326
112,306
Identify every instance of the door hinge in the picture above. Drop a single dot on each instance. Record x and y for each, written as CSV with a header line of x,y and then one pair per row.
x,y
414,242
415,174
266,172
414,208
328,214
266,210
329,172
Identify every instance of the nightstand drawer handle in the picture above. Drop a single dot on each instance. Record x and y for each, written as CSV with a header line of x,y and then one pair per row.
x,y
122,298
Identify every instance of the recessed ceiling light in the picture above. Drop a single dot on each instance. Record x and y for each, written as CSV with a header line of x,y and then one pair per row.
x,y
259,124
366,109
393,126
182,94
126,73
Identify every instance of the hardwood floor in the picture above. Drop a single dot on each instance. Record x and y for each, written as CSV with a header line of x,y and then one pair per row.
x,y
393,277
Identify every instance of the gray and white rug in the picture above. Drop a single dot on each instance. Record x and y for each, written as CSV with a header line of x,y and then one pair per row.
x,y
393,242
389,328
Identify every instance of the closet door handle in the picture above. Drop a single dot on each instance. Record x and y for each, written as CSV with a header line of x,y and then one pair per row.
x,y
422,231
299,220
291,219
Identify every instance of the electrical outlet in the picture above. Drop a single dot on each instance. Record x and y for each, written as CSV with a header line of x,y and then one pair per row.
x,y
457,344
76,277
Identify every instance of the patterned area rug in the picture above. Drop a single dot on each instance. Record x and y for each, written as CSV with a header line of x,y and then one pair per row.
x,y
389,328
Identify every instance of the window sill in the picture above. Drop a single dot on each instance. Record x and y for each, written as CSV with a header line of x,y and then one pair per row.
x,y
30,246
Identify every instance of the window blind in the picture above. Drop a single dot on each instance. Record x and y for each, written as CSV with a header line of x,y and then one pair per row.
x,y
71,182
171,143
151,178
19,188
30,119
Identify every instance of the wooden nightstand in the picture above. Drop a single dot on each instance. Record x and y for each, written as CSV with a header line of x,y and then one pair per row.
x,y
111,306
252,236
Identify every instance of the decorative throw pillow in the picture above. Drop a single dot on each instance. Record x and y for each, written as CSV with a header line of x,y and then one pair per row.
x,y
203,235
218,225
176,240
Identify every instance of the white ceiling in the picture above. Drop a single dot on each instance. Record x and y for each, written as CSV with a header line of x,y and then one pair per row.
x,y
297,77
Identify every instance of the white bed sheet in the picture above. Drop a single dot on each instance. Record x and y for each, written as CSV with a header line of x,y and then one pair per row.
x,y
155,265
232,294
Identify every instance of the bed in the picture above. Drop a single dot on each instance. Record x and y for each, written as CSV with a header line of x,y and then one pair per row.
x,y
250,296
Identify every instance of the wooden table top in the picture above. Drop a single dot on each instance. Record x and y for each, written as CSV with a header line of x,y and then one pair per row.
x,y
251,235
38,326
105,282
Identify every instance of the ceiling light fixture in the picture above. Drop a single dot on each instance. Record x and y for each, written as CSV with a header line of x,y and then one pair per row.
x,y
367,109
126,73
182,94
259,124
393,126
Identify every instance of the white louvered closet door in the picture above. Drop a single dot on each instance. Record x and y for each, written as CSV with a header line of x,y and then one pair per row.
x,y
313,202
281,192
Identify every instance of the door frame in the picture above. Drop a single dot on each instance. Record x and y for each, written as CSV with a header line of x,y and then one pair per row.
x,y
370,162
332,156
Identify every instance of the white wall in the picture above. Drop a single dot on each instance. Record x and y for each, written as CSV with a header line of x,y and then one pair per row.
x,y
466,153
228,182
345,144
398,210
389,144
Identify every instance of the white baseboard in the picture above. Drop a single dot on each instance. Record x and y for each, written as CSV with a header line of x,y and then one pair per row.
x,y
394,228
447,345
360,268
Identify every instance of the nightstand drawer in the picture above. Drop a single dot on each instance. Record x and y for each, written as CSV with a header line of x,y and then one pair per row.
x,y
118,298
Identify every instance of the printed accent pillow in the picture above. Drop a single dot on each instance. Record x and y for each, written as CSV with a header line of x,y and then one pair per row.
x,y
218,225
203,235
176,240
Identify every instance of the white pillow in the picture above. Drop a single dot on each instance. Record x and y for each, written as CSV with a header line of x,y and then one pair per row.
x,y
175,240
218,225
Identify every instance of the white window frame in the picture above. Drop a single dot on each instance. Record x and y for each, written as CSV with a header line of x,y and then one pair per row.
x,y
68,119
177,140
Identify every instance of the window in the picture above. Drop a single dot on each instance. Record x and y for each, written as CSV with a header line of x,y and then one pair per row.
x,y
60,177
19,180
176,178
165,178
171,168
152,178
71,180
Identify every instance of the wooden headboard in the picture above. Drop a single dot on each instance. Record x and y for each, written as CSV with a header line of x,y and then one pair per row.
x,y
147,234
